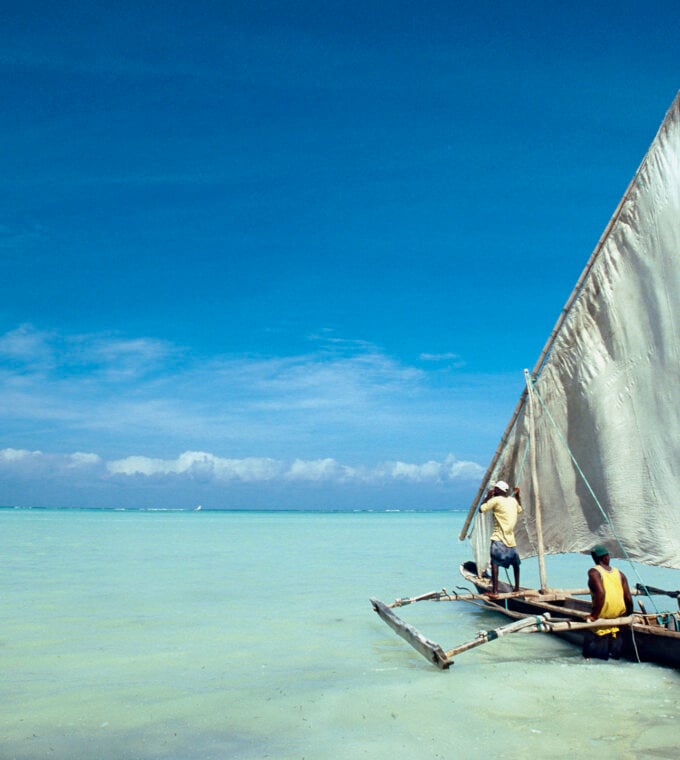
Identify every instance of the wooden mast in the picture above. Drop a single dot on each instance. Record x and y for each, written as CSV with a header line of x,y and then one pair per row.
x,y
538,519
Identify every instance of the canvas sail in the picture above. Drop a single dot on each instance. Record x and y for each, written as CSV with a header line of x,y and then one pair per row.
x,y
607,390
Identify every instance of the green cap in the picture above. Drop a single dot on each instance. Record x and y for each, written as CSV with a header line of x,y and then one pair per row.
x,y
599,551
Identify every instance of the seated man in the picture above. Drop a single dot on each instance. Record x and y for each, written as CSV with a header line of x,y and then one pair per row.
x,y
611,598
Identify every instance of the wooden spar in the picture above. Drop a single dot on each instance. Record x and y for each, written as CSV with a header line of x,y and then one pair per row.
x,y
543,576
431,651
529,624
554,626
430,595
544,353
538,624
531,594
444,596
646,590
483,637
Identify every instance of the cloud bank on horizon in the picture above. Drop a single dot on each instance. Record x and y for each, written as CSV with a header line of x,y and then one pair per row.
x,y
251,470
128,396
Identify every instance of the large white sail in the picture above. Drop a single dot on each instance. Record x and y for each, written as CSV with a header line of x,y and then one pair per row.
x,y
607,389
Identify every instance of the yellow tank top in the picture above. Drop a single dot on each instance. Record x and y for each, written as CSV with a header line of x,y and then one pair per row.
x,y
614,605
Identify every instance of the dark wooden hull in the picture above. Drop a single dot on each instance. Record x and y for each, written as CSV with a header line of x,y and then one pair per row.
x,y
650,641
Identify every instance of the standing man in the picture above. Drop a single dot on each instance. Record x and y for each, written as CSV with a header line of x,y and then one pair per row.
x,y
503,545
611,598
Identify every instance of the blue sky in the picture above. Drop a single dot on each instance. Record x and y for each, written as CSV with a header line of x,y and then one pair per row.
x,y
297,254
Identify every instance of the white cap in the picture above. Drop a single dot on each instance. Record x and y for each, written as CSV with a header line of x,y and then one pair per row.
x,y
502,486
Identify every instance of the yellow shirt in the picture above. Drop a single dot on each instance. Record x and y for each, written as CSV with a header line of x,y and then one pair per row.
x,y
505,511
614,604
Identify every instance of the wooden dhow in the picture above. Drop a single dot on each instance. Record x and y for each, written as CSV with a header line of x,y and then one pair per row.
x,y
594,441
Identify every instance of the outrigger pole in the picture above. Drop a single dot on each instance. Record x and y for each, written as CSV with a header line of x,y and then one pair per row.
x,y
444,659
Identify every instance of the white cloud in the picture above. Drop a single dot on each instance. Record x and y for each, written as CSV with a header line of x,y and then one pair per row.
x,y
26,462
27,348
254,469
19,455
42,362
122,359
250,469
454,469
81,459
85,386
417,472
450,469
318,470
198,463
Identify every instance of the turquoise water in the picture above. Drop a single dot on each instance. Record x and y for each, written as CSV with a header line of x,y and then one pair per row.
x,y
250,635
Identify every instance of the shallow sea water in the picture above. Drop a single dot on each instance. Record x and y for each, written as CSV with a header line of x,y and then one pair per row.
x,y
250,635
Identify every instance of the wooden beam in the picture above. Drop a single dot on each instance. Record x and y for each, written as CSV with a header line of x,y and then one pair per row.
x,y
643,590
534,624
528,624
530,594
554,626
525,624
429,649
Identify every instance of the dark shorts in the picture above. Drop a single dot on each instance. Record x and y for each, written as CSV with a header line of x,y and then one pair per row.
x,y
503,555
602,647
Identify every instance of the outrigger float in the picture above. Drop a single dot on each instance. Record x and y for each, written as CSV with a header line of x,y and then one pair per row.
x,y
648,637
594,441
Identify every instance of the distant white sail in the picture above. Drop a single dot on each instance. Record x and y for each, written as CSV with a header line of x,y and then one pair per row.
x,y
608,389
